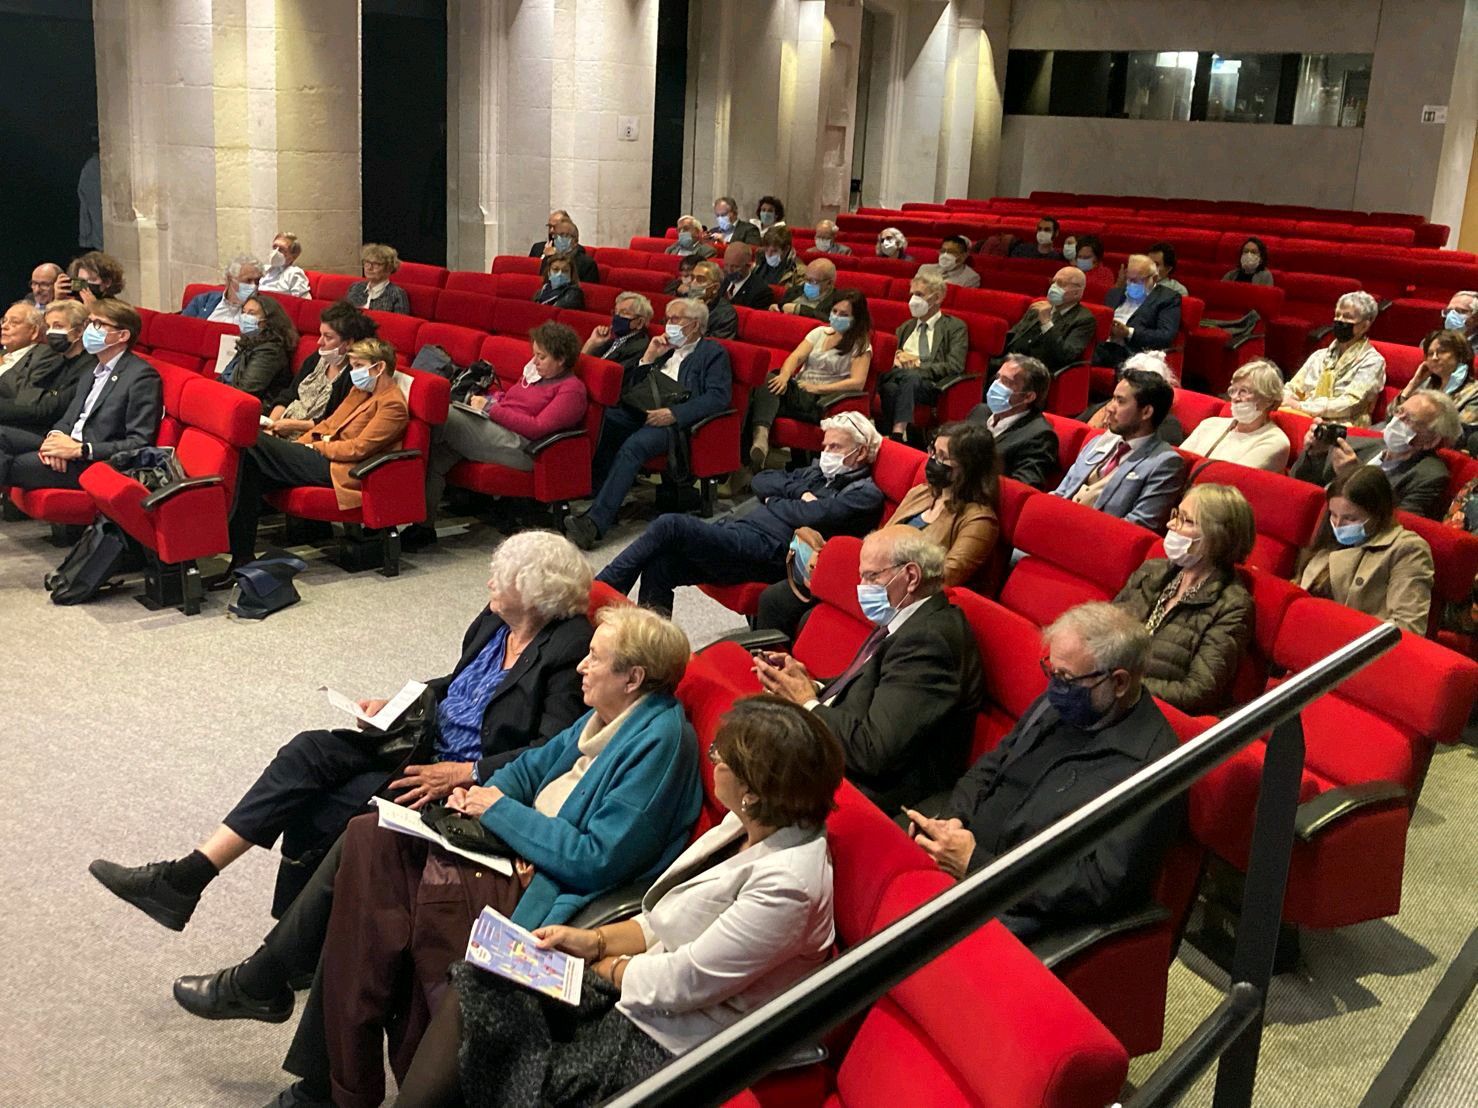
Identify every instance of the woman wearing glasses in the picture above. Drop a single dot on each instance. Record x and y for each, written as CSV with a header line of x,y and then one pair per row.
x,y
1198,614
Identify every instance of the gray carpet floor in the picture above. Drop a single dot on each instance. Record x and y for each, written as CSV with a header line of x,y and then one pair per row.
x,y
130,733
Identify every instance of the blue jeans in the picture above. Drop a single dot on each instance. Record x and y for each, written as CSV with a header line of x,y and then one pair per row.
x,y
680,550
625,444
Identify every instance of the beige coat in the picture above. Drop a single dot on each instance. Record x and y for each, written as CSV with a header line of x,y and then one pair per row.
x,y
1388,576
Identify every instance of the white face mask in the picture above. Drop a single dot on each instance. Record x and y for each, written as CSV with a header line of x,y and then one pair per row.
x,y
948,262
1044,238
1245,411
277,260
1181,550
918,307
530,373
331,356
832,464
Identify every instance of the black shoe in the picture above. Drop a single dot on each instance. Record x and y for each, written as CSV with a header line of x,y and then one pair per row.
x,y
300,982
580,531
417,536
294,1097
218,582
216,996
146,889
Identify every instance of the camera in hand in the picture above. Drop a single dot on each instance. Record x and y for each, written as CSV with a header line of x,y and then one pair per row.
x,y
1330,433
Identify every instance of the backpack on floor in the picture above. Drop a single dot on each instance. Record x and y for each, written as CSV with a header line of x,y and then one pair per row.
x,y
89,565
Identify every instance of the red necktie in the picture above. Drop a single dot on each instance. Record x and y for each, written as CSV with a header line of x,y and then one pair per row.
x,y
1111,463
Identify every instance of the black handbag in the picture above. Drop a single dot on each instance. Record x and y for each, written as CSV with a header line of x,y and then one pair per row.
x,y
464,831
410,740
654,390
154,467
265,586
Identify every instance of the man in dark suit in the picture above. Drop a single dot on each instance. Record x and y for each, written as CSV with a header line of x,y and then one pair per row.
x,y
814,297
566,240
1146,314
633,313
629,436
742,285
931,349
904,709
728,227
708,284
1406,451
115,408
1025,441
1055,330
546,245
678,549
35,385
1094,726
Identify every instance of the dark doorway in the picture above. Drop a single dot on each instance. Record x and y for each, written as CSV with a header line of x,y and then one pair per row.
x,y
49,122
667,114
403,73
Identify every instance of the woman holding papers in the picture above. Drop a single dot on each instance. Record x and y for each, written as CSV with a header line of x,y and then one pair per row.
x,y
514,686
610,800
742,915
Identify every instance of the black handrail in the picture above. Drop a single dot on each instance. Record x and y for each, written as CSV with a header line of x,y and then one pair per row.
x,y
745,1051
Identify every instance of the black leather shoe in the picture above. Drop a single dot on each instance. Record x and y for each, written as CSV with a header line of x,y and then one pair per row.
x,y
417,536
582,532
146,889
218,582
216,996
294,1097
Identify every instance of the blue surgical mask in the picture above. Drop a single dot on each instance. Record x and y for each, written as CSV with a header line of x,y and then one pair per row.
x,y
563,243
725,222
245,292
804,553
620,325
841,324
1349,534
249,324
1085,264
772,258
811,290
685,239
998,398
363,377
94,338
767,218
1074,703
676,336
873,600
1055,295
1134,291
1454,320
559,279
1456,381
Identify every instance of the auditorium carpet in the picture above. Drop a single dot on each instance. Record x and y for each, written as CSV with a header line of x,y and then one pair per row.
x,y
131,733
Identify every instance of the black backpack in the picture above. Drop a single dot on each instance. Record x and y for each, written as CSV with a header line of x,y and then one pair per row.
x,y
89,565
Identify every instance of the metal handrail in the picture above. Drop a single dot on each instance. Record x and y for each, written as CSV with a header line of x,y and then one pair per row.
x,y
740,1054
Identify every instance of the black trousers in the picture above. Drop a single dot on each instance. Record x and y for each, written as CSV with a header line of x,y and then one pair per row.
x,y
22,467
296,942
313,786
272,463
899,391
781,610
794,403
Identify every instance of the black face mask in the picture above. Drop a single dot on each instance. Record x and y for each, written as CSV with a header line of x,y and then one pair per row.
x,y
58,341
1344,330
937,474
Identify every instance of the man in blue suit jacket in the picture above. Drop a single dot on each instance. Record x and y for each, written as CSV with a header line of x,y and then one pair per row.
x,y
1129,471
116,407
1146,314
224,305
629,436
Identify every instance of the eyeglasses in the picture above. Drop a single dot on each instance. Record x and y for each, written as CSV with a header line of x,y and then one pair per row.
x,y
714,757
1098,676
1178,519
871,577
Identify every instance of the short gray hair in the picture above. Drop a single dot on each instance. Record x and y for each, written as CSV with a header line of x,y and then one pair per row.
x,y
693,309
1362,302
1448,425
35,316
643,305
689,219
240,262
545,571
1264,378
1114,638
932,277
1153,361
893,233
923,552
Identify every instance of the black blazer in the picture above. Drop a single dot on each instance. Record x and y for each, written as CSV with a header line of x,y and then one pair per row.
x,y
626,351
723,320
263,369
1028,448
37,389
706,376
1066,343
1419,483
745,231
1156,322
538,699
568,297
754,293
1120,872
126,415
906,719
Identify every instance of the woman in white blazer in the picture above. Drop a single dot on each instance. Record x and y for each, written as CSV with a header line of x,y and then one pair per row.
x,y
744,912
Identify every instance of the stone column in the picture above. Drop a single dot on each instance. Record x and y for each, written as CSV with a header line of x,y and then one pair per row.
x,y
221,123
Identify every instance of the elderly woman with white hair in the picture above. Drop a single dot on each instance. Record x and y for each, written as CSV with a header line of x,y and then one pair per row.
x,y
892,244
1342,381
514,686
835,495
1248,436
691,240
1151,361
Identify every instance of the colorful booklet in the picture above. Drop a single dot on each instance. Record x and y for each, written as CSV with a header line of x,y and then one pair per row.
x,y
500,946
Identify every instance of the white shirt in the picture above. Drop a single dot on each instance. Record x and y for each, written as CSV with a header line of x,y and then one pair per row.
x,y
100,374
911,344
10,359
289,280
1125,310
226,312
999,423
674,363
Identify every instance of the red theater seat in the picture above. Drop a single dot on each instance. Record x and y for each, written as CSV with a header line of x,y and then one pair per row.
x,y
516,263
1287,511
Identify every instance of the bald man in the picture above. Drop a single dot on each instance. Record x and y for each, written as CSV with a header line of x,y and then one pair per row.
x,y
1146,313
826,239
813,297
1057,329
43,284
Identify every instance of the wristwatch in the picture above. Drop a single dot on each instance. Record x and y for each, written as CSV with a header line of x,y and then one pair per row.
x,y
87,450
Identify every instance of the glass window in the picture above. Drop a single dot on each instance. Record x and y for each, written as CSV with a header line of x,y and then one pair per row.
x,y
1244,88
1159,84
1333,90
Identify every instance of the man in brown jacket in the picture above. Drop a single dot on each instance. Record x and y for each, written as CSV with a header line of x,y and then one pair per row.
x,y
370,421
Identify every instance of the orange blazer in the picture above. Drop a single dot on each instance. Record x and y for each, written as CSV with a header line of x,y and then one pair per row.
x,y
364,425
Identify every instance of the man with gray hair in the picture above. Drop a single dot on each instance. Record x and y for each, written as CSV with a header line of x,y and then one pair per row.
x,y
691,241
904,709
826,239
1460,315
624,339
1422,424
833,496
814,296
243,276
931,349
682,378
1093,727
1342,381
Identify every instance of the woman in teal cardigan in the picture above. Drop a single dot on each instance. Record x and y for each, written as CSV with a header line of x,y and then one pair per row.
x,y
610,800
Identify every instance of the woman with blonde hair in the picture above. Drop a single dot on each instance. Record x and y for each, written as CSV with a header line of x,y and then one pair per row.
x,y
376,293
1248,436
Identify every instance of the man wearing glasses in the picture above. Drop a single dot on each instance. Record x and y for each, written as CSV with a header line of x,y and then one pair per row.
x,y
116,407
1092,728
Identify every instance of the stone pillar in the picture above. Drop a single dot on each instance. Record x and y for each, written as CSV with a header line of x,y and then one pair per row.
x,y
221,123
537,90
990,99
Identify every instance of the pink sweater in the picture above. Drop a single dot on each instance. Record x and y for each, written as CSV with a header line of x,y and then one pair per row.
x,y
534,411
